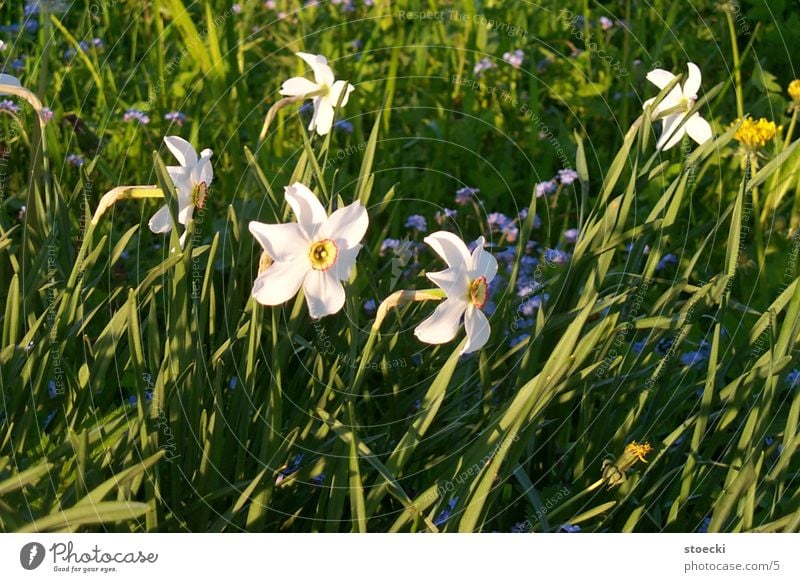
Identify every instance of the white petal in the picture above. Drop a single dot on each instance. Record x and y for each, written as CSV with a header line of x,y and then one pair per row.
x,y
161,221
478,330
203,171
323,116
182,150
307,208
185,213
323,74
182,240
347,225
280,282
442,326
483,264
660,78
692,84
698,129
324,293
336,92
669,135
297,87
283,242
344,262
454,282
451,248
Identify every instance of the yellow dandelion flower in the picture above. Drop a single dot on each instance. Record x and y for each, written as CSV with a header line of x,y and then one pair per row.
x,y
754,135
615,472
638,451
794,90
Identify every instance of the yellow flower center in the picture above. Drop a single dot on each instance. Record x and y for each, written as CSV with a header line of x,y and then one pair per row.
x,y
755,134
686,103
323,254
479,292
794,90
638,451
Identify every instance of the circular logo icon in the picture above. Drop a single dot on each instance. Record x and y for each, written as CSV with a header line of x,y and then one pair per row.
x,y
31,555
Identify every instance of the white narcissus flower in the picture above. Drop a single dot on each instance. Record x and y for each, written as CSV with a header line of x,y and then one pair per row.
x,y
316,253
680,100
324,90
192,180
466,284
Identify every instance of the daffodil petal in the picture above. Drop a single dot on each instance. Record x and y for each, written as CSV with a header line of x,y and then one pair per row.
x,y
323,74
348,224
324,293
345,260
336,92
454,282
280,282
307,208
323,116
478,330
182,150
442,326
283,242
203,172
297,87
698,129
692,84
483,264
161,221
670,136
451,248
185,213
660,77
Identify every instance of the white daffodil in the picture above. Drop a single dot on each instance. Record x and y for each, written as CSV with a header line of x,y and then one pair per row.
x,y
192,179
317,252
678,102
466,284
324,90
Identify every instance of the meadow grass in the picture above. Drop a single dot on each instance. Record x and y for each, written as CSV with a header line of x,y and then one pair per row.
x,y
651,297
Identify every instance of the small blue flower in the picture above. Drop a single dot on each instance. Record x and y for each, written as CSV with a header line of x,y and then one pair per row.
x,y
567,176
464,195
638,346
52,391
75,160
445,514
289,469
664,345
704,526
10,106
344,126
49,418
793,377
545,188
417,222
136,115
666,260
444,215
370,306
482,65
556,256
47,114
571,235
176,117
514,59
569,528
497,221
389,244
606,23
